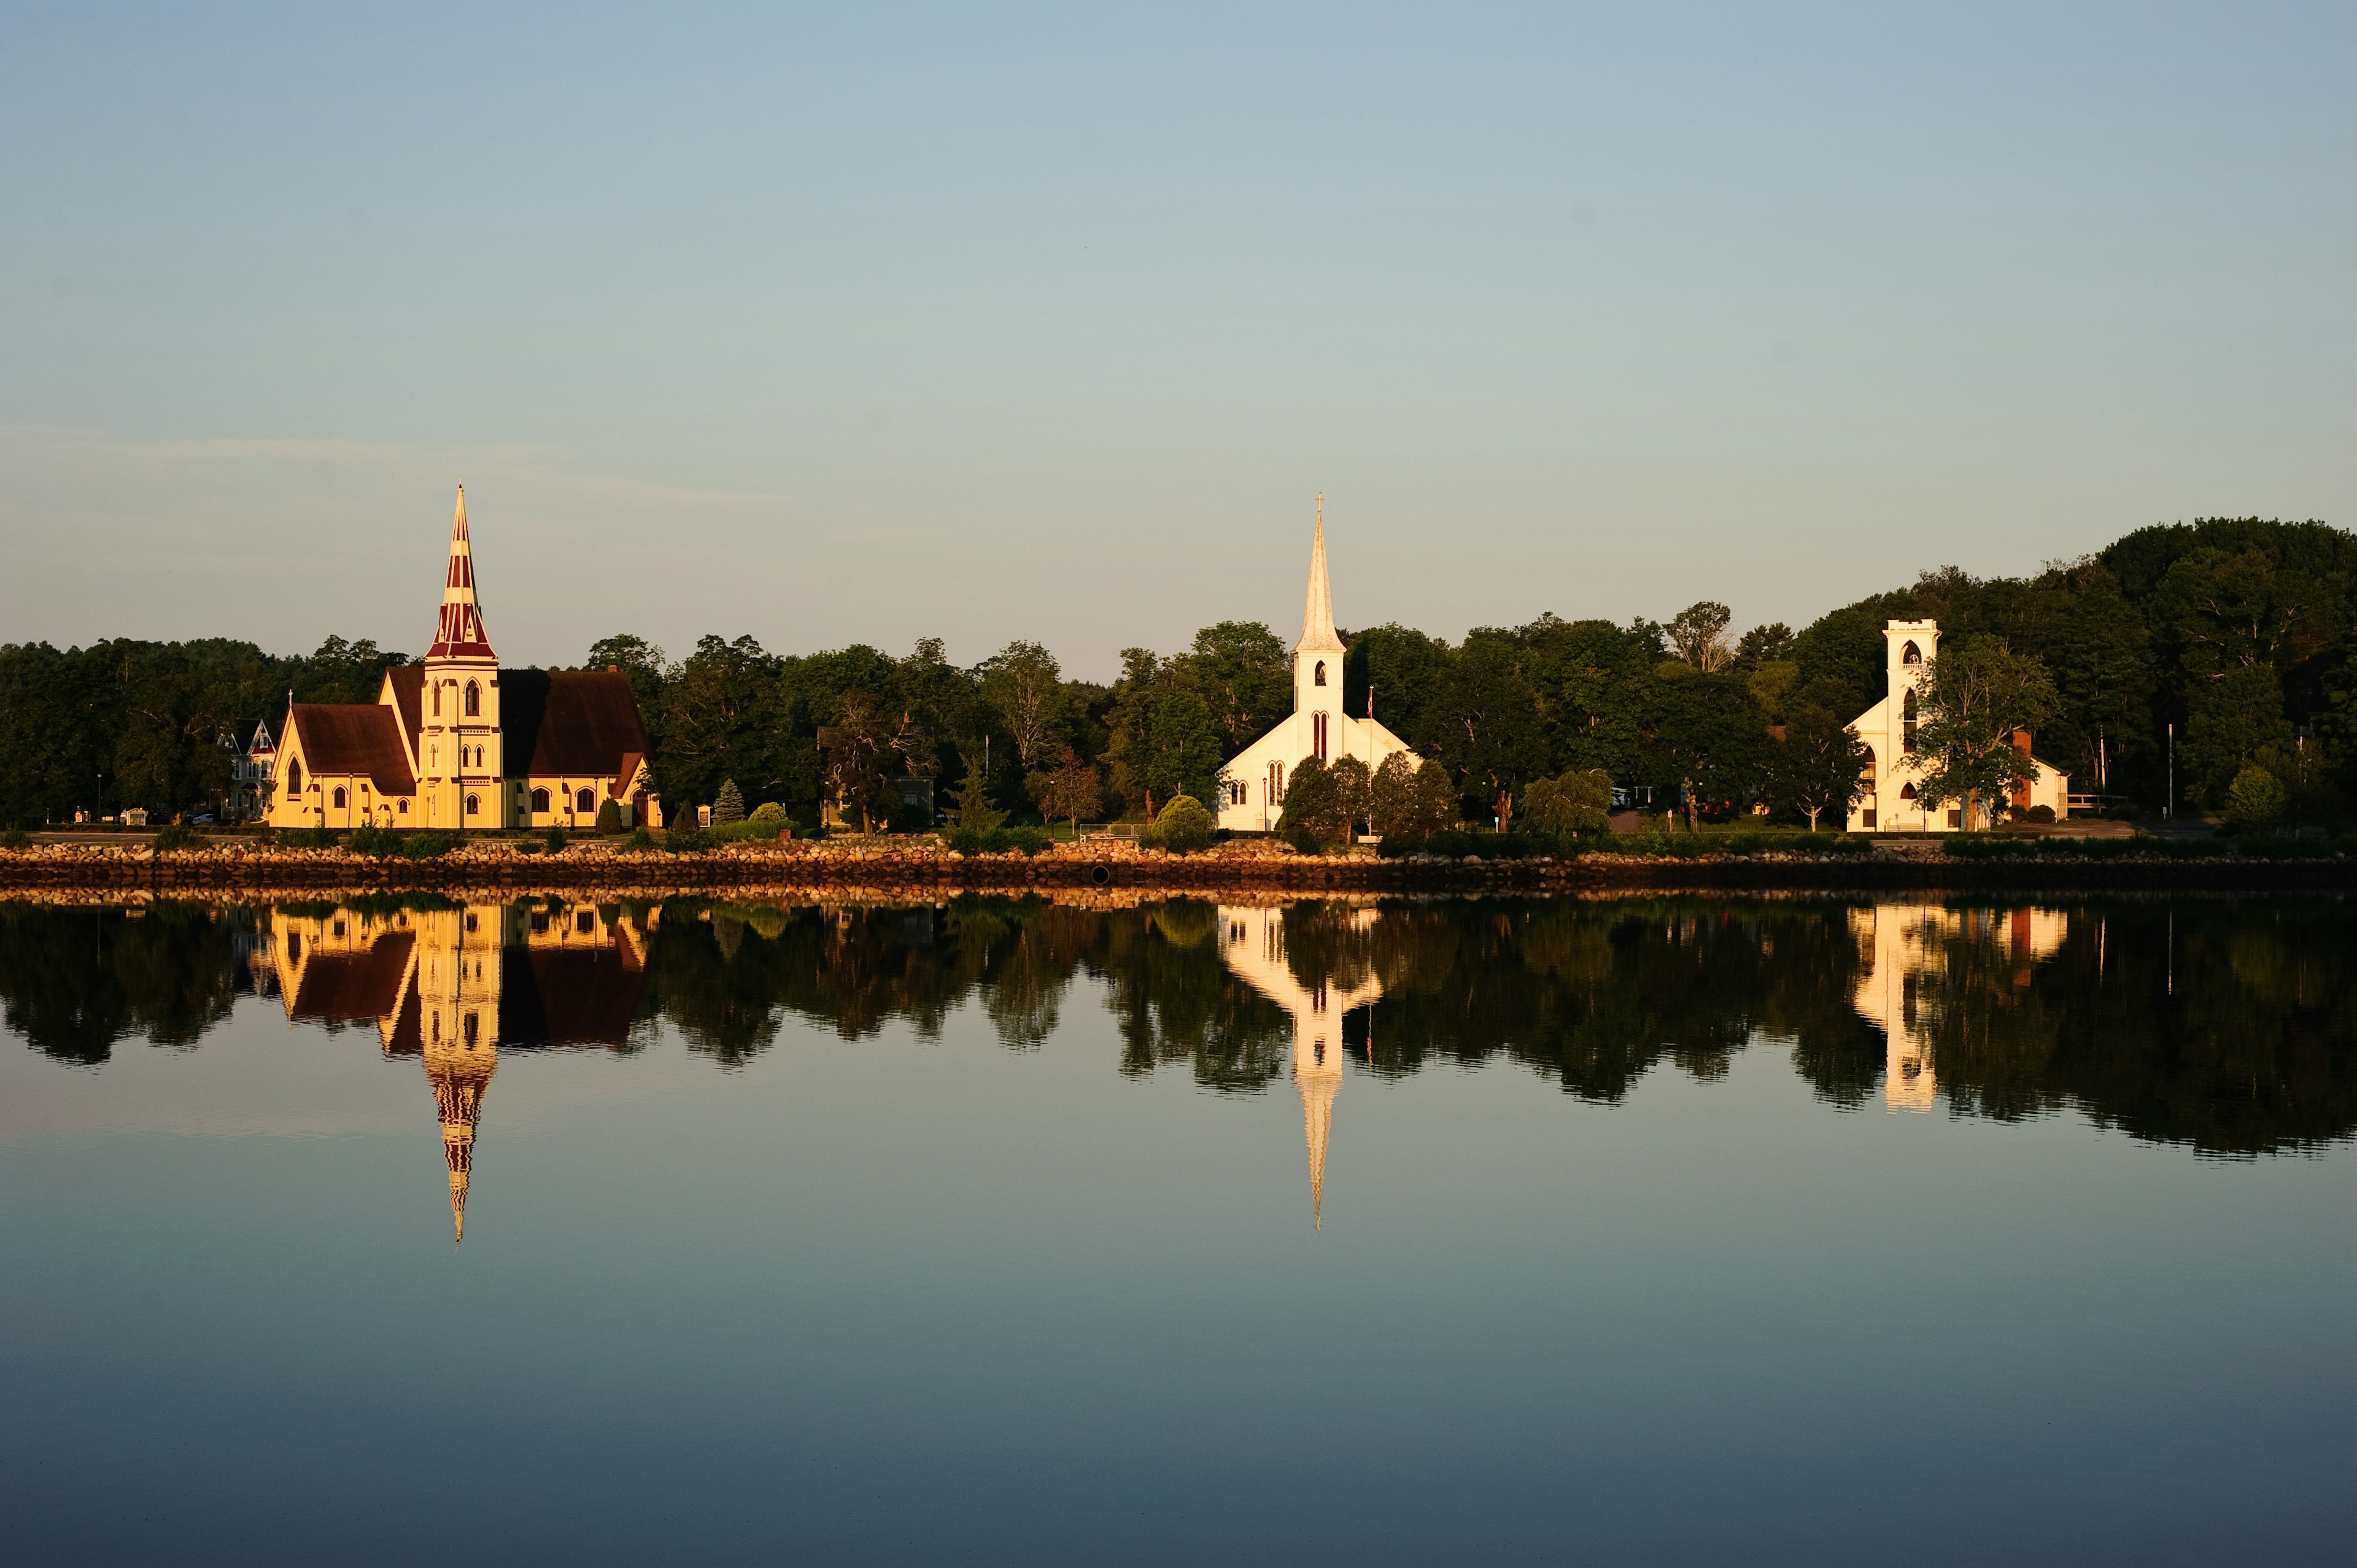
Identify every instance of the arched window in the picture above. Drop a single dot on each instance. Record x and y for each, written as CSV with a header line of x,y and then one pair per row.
x,y
1906,792
540,800
437,699
473,805
584,801
1910,654
474,700
339,797
1319,679
474,1025
1907,721
293,778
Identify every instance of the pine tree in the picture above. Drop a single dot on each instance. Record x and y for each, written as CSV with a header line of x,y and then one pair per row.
x,y
973,811
729,805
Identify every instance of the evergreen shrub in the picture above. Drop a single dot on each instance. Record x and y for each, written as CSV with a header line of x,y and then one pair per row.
x,y
609,817
993,841
1184,825
177,837
16,838
428,845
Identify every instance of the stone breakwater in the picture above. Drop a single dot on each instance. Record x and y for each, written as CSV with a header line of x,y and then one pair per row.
x,y
922,867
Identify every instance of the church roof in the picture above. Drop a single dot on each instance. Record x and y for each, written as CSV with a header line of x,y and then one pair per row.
x,y
1317,633
408,683
359,739
584,723
352,987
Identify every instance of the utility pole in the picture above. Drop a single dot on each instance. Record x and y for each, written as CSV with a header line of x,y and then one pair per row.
x,y
2168,807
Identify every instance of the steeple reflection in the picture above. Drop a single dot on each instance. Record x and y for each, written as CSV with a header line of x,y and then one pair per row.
x,y
450,986
1915,959
1251,943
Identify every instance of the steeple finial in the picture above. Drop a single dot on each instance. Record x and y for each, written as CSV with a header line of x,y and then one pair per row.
x,y
1317,633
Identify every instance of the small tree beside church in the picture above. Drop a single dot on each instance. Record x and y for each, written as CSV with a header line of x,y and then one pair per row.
x,y
1976,696
1313,816
1820,765
728,806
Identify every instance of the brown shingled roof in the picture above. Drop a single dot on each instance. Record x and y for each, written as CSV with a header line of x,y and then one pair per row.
x,y
363,739
578,722
409,690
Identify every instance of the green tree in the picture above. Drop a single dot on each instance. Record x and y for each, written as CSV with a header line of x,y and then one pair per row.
x,y
973,811
1699,633
728,806
1820,765
2255,802
1578,803
1976,695
2236,714
1025,689
1185,757
1353,787
1411,802
1314,811
1245,676
1185,824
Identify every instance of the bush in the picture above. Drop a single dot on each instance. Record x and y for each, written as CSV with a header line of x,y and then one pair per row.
x,y
16,838
687,839
993,841
177,837
609,816
308,838
1184,825
768,813
907,817
639,839
556,841
377,841
2256,801
2041,813
428,845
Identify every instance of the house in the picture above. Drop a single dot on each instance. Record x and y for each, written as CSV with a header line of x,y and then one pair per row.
x,y
1890,803
1252,786
456,742
252,755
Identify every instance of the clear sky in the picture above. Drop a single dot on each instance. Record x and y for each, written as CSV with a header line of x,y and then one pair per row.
x,y
874,322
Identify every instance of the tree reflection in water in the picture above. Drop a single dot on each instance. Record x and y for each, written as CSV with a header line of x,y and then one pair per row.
x,y
2223,1023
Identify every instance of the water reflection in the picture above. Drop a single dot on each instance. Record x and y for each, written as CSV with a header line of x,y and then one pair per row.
x,y
449,985
2224,1025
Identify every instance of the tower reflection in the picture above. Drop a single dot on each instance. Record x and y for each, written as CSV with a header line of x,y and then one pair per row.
x,y
451,985
1913,960
1251,943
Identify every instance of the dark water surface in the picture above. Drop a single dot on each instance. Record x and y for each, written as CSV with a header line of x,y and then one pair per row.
x,y
1674,1230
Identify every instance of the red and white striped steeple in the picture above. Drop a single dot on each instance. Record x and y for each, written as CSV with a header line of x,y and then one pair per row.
x,y
460,634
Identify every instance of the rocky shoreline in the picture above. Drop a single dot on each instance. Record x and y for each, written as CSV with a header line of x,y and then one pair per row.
x,y
906,865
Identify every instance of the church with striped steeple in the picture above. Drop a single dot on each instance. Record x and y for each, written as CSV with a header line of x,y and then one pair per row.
x,y
1252,787
455,741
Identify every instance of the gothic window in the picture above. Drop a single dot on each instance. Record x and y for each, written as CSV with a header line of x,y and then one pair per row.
x,y
474,700
1317,733
405,808
583,801
294,946
1907,721
474,1030
473,805
437,699
293,779
1319,679
1906,792
1911,655
339,797
540,800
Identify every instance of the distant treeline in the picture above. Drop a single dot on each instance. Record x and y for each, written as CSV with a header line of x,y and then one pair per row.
x,y
2239,632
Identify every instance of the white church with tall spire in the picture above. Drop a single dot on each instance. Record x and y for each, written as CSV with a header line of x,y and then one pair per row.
x,y
1252,786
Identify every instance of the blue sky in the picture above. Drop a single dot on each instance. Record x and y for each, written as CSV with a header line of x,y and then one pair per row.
x,y
875,322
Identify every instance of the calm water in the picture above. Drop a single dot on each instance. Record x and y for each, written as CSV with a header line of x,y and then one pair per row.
x,y
1661,1231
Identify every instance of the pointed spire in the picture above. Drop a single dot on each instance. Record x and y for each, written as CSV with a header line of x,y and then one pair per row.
x,y
459,633
1318,634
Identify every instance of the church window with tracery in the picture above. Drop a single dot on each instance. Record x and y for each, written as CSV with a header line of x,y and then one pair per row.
x,y
339,798
540,800
583,801
473,805
474,700
1907,723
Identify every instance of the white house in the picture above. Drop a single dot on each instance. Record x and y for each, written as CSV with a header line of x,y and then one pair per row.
x,y
1888,729
1252,787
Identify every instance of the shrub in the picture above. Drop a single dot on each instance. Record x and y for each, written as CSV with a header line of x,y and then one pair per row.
x,y
428,845
687,839
16,838
2041,813
2256,801
991,841
556,841
609,817
177,837
728,806
377,841
639,841
907,817
308,838
1184,825
768,813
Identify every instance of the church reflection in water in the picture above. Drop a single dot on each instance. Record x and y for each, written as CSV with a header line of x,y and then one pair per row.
x,y
1251,943
1915,960
450,987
